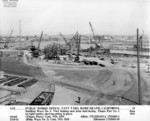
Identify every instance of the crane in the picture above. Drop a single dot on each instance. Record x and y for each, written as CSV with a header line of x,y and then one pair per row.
x,y
38,47
95,37
63,38
68,44
92,29
36,51
6,43
77,39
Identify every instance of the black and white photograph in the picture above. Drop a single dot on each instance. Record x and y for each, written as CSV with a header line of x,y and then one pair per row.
x,y
74,52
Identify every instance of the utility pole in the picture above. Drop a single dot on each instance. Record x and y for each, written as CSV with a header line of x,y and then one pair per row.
x,y
1,72
20,35
138,68
0,60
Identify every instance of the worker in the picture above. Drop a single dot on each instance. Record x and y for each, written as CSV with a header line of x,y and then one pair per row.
x,y
125,82
78,101
114,82
120,100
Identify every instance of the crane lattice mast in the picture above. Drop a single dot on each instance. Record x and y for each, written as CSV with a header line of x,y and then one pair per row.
x,y
39,43
6,43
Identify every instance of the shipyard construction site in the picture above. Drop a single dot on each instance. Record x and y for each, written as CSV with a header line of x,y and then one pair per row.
x,y
74,70
98,55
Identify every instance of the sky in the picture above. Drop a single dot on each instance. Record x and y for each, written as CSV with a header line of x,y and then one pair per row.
x,y
114,17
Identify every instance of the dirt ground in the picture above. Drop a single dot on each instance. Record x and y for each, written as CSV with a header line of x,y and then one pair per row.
x,y
14,66
97,86
110,85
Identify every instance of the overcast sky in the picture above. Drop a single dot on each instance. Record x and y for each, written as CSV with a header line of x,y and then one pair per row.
x,y
69,16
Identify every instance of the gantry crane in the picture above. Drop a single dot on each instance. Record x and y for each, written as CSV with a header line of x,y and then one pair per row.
x,y
7,42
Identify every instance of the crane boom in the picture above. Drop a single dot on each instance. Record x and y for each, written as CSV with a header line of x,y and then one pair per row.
x,y
11,33
95,37
63,37
40,41
6,43
92,29
68,44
